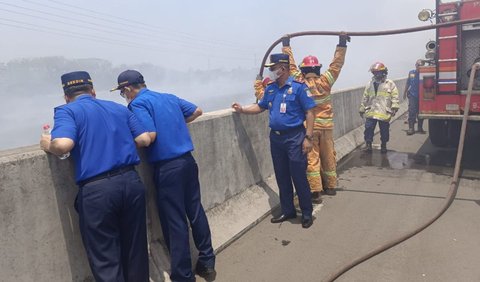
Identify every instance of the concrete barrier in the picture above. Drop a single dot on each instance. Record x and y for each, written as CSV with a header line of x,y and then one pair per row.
x,y
39,235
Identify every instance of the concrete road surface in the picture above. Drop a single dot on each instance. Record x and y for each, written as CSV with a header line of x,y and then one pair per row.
x,y
379,198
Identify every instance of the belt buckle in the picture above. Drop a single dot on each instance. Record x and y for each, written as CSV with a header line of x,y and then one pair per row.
x,y
277,132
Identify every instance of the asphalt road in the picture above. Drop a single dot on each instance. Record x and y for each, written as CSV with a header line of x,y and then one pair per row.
x,y
379,198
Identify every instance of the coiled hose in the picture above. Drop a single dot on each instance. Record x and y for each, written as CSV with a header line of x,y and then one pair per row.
x,y
456,173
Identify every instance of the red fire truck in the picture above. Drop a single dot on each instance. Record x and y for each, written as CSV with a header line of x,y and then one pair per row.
x,y
445,74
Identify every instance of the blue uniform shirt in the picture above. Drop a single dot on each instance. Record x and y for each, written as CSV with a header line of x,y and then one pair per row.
x,y
413,82
294,95
164,114
103,132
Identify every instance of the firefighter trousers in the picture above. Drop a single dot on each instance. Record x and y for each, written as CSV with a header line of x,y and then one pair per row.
x,y
322,163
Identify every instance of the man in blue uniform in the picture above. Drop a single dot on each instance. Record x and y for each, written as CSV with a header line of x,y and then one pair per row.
x,y
411,91
290,105
165,117
101,136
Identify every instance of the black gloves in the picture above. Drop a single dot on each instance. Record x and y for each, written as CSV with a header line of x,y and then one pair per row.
x,y
342,40
285,41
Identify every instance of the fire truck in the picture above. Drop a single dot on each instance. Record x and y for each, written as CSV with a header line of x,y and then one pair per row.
x,y
445,73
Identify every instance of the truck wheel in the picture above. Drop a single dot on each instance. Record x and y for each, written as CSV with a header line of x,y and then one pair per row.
x,y
454,128
438,132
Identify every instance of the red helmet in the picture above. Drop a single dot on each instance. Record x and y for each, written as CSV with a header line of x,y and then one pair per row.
x,y
310,61
266,81
378,67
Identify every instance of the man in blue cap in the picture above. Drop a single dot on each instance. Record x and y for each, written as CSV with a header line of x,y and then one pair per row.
x,y
165,117
411,91
101,136
290,105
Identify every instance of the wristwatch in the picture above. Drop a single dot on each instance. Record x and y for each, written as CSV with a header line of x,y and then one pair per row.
x,y
309,137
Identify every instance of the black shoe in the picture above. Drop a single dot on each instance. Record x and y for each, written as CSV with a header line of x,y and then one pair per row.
x,y
411,129
421,131
316,198
307,222
383,148
207,273
282,218
368,147
330,191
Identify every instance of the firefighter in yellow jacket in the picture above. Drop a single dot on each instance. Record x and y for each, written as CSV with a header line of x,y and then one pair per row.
x,y
322,165
379,104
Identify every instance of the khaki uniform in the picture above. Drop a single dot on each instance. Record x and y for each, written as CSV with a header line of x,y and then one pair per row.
x,y
322,164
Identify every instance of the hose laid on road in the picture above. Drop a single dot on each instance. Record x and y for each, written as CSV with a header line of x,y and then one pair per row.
x,y
448,199
454,184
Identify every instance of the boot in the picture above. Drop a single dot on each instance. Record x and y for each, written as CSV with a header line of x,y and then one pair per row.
x,y
368,147
316,198
383,148
411,128
329,191
420,127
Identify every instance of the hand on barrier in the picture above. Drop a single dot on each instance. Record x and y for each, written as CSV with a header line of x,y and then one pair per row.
x,y
237,107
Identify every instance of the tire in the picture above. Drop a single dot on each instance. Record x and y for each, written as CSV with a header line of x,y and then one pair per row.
x,y
454,128
444,133
438,132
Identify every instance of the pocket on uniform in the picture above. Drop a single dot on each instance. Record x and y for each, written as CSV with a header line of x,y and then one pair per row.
x,y
290,98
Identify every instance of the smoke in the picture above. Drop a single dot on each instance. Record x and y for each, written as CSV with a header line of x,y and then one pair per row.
x,y
32,89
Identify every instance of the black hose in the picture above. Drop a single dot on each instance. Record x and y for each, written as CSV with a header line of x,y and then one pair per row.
x,y
367,33
454,184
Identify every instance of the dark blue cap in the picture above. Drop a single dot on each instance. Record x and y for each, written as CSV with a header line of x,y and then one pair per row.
x,y
76,78
127,78
279,58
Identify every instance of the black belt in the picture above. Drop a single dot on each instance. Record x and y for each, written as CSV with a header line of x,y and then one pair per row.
x,y
106,174
288,131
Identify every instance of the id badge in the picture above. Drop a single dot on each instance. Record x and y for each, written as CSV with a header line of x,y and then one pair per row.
x,y
283,108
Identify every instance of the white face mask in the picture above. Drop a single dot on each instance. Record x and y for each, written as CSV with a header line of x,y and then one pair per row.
x,y
274,75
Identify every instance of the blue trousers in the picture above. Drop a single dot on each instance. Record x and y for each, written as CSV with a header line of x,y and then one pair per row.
x,y
370,125
289,163
113,227
178,198
412,109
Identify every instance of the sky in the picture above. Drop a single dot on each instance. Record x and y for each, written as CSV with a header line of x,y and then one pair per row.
x,y
219,36
205,34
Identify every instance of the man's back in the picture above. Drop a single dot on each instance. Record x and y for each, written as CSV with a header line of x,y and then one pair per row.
x,y
103,132
164,114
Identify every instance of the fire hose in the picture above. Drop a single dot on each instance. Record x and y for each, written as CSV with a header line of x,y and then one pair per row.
x,y
456,173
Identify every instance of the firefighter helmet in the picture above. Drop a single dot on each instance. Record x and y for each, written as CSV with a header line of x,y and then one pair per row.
x,y
378,67
267,81
310,61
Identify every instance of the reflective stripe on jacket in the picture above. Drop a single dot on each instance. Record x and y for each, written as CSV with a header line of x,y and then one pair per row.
x,y
378,105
